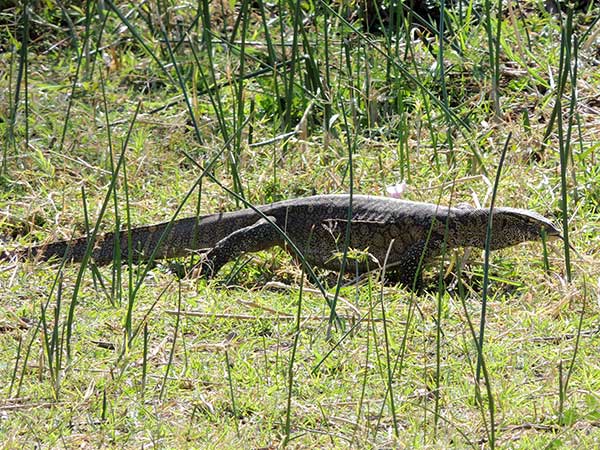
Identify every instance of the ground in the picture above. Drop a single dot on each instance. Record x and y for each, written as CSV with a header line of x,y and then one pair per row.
x,y
110,117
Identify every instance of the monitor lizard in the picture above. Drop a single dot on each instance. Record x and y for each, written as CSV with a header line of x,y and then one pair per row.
x,y
409,233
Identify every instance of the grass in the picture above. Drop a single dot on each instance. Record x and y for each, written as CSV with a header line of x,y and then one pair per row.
x,y
135,115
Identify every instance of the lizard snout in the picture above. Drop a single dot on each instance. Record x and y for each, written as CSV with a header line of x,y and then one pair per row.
x,y
552,232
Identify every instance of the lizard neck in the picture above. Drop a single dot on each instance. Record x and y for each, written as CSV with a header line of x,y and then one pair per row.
x,y
468,227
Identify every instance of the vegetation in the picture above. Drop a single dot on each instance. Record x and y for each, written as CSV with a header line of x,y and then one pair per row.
x,y
118,114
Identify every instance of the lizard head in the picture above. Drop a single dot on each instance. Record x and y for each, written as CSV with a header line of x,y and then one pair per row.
x,y
512,226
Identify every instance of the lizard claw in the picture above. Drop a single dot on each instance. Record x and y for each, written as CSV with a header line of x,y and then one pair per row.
x,y
204,269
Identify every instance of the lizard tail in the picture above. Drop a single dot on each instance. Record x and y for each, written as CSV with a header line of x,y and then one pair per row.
x,y
70,250
143,241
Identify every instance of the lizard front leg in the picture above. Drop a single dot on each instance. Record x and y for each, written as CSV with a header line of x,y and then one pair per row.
x,y
258,236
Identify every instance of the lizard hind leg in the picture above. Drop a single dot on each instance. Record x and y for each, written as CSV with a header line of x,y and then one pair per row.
x,y
259,236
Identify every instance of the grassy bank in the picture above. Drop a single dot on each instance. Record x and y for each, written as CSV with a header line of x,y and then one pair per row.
x,y
111,117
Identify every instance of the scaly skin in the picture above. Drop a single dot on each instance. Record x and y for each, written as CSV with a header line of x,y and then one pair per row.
x,y
317,226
